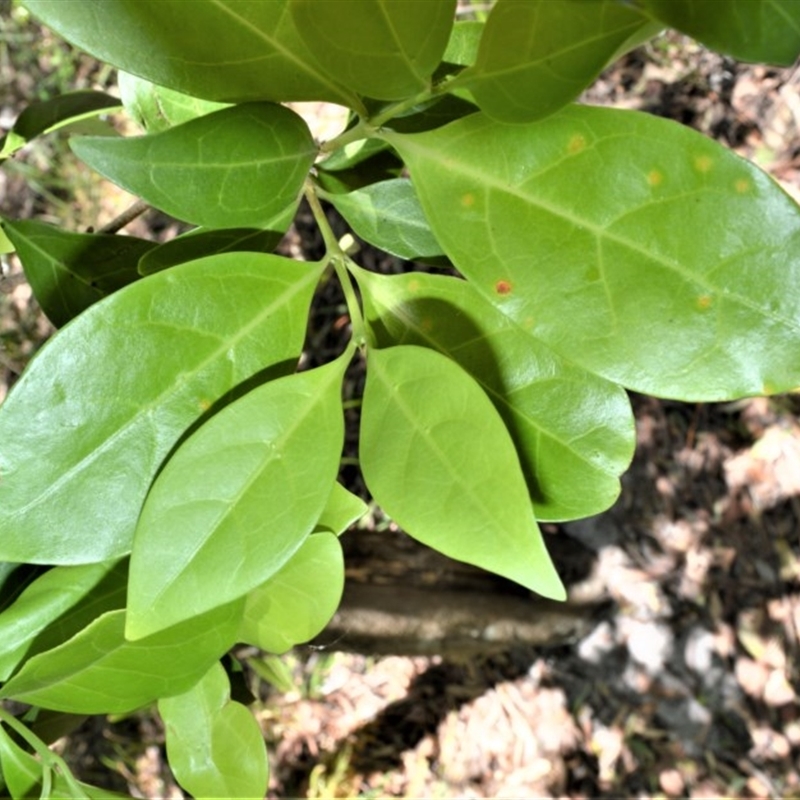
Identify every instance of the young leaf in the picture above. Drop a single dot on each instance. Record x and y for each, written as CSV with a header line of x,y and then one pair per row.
x,y
157,108
237,499
679,255
758,30
386,49
438,459
68,272
41,603
80,439
49,115
238,167
388,215
99,672
20,772
299,600
341,511
538,55
203,242
223,50
574,431
214,745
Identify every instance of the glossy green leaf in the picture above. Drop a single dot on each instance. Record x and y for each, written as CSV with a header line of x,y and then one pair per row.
x,y
465,39
157,108
235,168
299,600
80,439
631,245
341,511
203,242
237,499
228,50
67,271
389,216
755,30
537,55
20,772
99,672
386,49
40,604
574,431
214,745
438,459
49,115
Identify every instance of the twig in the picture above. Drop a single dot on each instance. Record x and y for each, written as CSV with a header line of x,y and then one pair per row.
x,y
126,217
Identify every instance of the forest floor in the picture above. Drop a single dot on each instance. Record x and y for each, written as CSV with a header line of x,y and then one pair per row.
x,y
685,685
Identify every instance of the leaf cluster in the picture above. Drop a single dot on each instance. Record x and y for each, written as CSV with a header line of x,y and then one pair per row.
x,y
168,470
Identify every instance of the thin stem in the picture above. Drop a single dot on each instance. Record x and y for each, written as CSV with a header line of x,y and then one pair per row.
x,y
338,258
126,217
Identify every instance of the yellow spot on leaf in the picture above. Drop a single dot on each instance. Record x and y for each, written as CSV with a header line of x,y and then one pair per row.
x,y
577,143
413,285
468,200
704,302
655,177
703,163
743,185
204,404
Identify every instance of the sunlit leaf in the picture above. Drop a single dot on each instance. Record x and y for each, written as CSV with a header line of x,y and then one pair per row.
x,y
84,430
238,167
214,745
537,55
99,672
237,499
573,431
388,215
67,271
296,603
341,511
755,30
438,459
228,50
386,49
631,245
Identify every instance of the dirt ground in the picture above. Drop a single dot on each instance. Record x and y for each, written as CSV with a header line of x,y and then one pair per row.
x,y
685,684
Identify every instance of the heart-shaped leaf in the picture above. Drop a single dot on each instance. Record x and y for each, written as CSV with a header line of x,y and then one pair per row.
x,y
68,272
574,431
238,167
80,440
386,49
99,672
437,457
214,745
604,233
237,499
225,50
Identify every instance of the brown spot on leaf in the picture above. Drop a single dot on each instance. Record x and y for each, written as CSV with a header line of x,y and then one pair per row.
x,y
503,287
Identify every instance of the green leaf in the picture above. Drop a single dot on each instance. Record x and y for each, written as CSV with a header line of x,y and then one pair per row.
x,y
45,116
389,216
203,242
42,603
68,272
157,108
19,770
299,600
386,49
756,30
631,245
214,745
237,499
538,55
341,511
235,168
228,50
80,440
574,431
437,458
465,39
99,672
